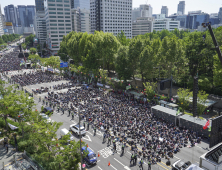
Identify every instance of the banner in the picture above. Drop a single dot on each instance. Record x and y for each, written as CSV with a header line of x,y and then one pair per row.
x,y
99,84
128,87
12,126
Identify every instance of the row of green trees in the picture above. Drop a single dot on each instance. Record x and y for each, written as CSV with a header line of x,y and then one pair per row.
x,y
10,37
34,134
151,57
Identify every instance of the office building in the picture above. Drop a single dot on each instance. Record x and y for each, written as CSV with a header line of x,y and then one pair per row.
x,y
142,26
214,19
183,20
1,22
81,20
40,22
39,5
142,11
220,15
164,10
82,4
162,23
111,16
181,7
11,14
58,22
195,19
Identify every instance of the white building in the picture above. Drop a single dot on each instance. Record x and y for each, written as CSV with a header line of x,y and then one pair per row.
x,y
58,22
162,23
1,23
40,22
142,26
111,16
81,20
142,11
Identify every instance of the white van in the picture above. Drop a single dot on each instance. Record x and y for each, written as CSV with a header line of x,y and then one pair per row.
x,y
65,131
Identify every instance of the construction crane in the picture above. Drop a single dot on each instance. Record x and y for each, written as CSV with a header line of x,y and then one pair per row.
x,y
217,48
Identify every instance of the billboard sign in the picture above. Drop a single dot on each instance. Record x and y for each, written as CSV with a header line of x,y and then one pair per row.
x,y
8,24
35,40
62,65
31,25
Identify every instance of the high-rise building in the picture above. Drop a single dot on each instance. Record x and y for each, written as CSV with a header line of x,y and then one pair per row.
x,y
81,20
1,22
183,20
142,11
196,18
58,22
40,22
39,5
11,14
220,15
142,26
111,16
214,19
164,10
181,7
30,15
22,16
82,4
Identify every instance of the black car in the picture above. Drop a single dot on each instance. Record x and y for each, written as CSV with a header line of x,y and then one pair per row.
x,y
47,109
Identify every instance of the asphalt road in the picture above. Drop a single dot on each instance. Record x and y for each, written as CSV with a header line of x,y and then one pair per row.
x,y
116,160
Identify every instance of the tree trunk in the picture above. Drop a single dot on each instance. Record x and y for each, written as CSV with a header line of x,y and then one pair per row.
x,y
6,124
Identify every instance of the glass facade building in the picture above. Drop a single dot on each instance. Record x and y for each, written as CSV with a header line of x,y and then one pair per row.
x,y
82,4
39,5
193,21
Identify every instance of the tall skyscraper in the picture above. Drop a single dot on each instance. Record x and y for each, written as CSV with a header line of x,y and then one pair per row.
x,y
164,10
142,11
22,16
111,16
1,22
39,5
11,14
181,7
30,15
58,22
196,18
220,15
82,4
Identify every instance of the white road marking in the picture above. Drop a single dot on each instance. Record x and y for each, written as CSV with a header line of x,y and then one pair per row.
x,y
73,121
98,160
197,162
118,152
119,162
176,157
88,138
199,147
128,152
126,167
113,167
89,133
100,168
92,150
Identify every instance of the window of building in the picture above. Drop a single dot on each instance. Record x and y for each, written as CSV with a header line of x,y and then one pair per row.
x,y
54,39
61,28
52,20
61,35
52,9
52,12
51,4
61,31
54,32
66,1
67,16
66,5
67,9
54,43
60,20
68,32
53,24
60,17
59,12
67,21
60,39
68,28
59,4
52,16
53,28
59,9
51,0
68,24
60,24
58,0
55,47
54,35
67,13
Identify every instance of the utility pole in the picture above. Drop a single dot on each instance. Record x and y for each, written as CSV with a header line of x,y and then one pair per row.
x,y
80,137
171,84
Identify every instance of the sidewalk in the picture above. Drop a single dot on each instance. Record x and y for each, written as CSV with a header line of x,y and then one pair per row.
x,y
7,158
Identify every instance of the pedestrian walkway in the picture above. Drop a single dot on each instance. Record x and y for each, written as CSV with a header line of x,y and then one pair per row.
x,y
8,158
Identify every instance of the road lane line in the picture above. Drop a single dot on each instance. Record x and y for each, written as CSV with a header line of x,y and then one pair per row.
x,y
113,167
162,166
100,168
119,162
98,160
89,133
128,152
176,157
91,149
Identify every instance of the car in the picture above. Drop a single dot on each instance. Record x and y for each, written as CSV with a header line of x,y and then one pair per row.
x,y
47,109
65,131
75,129
46,117
180,165
90,158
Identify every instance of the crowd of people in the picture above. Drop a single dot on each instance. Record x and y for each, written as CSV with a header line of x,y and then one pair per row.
x,y
122,118
35,78
10,63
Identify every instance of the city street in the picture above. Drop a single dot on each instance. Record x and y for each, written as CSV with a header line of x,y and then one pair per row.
x,y
106,154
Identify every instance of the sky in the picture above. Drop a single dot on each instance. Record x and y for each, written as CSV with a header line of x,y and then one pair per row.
x,y
208,6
